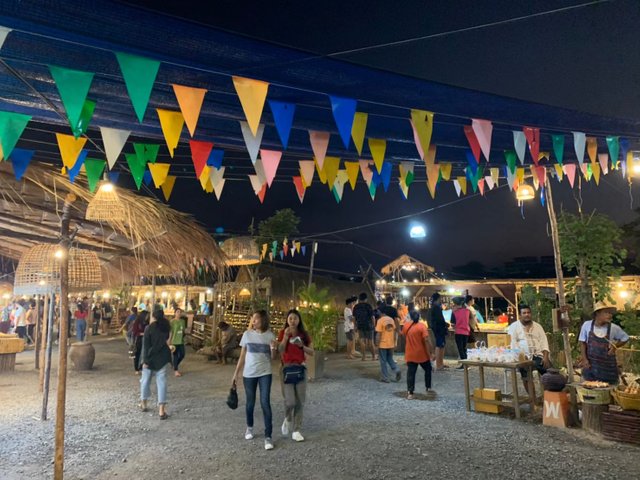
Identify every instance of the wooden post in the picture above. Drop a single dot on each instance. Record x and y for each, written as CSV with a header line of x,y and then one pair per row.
x,y
46,372
38,340
553,222
313,257
44,343
64,338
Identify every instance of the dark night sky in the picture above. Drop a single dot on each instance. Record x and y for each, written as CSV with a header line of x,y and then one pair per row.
x,y
585,59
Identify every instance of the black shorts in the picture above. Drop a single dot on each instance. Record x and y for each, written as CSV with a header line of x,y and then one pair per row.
x,y
365,334
350,335
106,320
537,365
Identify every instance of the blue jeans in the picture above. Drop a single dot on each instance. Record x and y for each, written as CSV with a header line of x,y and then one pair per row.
x,y
81,330
250,387
385,355
161,384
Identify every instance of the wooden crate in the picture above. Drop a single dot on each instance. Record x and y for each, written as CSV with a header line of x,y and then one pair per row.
x,y
621,426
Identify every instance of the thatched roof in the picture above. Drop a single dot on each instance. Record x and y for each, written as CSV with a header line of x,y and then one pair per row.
x,y
153,239
405,261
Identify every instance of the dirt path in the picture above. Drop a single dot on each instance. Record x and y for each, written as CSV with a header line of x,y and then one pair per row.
x,y
355,427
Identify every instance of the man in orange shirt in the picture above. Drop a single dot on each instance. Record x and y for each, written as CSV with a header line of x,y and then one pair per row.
x,y
418,351
386,343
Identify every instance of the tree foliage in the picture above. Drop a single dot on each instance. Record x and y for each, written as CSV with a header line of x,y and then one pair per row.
x,y
318,315
282,224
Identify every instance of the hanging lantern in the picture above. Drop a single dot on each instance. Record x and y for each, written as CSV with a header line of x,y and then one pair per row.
x,y
525,192
241,251
106,205
38,272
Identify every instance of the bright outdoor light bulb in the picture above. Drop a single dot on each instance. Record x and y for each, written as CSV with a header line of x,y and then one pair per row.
x,y
405,292
417,231
636,168
624,294
107,187
59,253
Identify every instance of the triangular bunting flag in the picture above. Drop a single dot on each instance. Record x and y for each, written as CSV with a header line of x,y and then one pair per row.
x,y
139,75
358,130
319,144
297,181
304,250
433,173
570,171
488,180
113,140
365,171
462,182
146,152
406,172
344,110
533,139
595,171
559,172
422,122
215,158
264,251
511,178
167,186
622,142
4,31
114,177
171,124
378,148
519,144
613,145
331,165
495,175
20,159
352,169
86,114
603,158
483,130
338,190
217,189
342,177
205,179
579,143
252,94
190,100
481,186
73,87
11,127
372,190
322,174
592,149
404,189
473,142
510,156
283,118
541,173
70,148
255,183
75,170
307,170
94,168
147,178
137,168
262,193
259,168
385,175
445,171
200,154
252,141
471,160
520,174
416,140
558,146
159,172
216,175
270,161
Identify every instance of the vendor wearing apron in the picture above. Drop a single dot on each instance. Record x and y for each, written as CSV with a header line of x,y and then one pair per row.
x,y
599,339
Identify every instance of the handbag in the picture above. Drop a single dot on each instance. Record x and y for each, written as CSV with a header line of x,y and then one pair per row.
x,y
232,398
293,374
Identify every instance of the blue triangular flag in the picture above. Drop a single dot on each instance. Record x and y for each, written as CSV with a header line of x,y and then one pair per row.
x,y
114,176
473,163
344,110
147,178
385,175
75,170
376,178
281,254
20,159
215,158
304,250
624,148
283,117
542,196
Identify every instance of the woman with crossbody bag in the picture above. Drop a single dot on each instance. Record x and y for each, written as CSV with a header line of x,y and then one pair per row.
x,y
293,343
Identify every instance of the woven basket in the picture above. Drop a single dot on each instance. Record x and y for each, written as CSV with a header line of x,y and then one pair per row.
x,y
628,401
106,206
241,251
597,396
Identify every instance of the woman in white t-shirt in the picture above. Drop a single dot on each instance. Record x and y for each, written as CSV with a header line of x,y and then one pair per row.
x,y
258,349
349,326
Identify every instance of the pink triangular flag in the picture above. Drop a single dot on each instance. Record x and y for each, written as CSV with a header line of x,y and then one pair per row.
x,y
473,142
365,170
270,162
569,170
416,140
297,181
483,129
307,171
489,181
603,158
319,144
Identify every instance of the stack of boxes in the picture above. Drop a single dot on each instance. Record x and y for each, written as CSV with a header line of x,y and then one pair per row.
x,y
480,394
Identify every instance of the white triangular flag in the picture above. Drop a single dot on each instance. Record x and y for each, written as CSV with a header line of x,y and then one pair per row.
x,y
252,143
113,140
218,188
255,183
489,181
4,31
216,176
457,185
307,171
260,171
520,144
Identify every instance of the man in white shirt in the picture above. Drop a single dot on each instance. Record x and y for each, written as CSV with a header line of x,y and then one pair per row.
x,y
349,326
529,337
20,320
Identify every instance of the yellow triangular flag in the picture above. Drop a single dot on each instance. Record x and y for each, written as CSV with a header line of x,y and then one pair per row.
x,y
433,172
559,172
445,170
167,186
462,181
252,94
595,170
204,177
495,174
358,129
322,174
423,123
352,173
264,250
70,148
159,172
330,168
190,100
520,174
534,175
377,147
171,123
404,188
342,176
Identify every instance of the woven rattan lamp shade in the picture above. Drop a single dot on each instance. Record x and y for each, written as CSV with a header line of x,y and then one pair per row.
x,y
38,272
241,251
106,205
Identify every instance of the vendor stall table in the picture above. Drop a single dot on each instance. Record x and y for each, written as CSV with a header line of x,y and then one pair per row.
x,y
514,400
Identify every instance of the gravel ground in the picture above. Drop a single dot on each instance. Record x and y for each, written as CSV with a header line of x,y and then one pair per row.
x,y
355,427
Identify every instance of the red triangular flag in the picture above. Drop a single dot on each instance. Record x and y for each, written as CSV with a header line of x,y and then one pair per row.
x,y
473,142
533,139
262,193
541,172
481,186
297,181
200,154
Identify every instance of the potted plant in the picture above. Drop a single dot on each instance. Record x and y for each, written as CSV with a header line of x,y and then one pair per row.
x,y
319,317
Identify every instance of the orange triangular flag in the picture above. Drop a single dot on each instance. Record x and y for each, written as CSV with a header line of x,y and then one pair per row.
x,y
433,173
167,186
592,148
171,123
378,147
319,144
352,173
252,94
262,193
297,181
481,186
159,172
430,158
190,100
70,148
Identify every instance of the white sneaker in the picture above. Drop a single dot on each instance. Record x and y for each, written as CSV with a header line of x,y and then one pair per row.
x,y
285,427
297,437
268,444
248,435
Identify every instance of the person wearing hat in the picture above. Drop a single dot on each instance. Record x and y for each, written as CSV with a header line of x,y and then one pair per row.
x,y
599,339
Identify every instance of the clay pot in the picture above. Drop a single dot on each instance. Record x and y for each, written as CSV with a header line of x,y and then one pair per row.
x,y
553,381
82,354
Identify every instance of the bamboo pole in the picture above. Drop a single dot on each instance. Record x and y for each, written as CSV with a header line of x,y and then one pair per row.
x,y
64,338
38,334
46,372
560,289
43,334
313,257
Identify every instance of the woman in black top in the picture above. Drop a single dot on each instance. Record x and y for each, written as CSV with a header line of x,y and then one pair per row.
x,y
156,356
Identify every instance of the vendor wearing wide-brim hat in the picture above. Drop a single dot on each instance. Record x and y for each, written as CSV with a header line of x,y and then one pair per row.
x,y
599,339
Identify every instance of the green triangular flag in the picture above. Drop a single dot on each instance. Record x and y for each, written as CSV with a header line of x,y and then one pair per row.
x,y
73,86
408,180
335,195
85,118
511,158
94,168
372,190
558,147
137,168
11,127
614,148
147,152
139,75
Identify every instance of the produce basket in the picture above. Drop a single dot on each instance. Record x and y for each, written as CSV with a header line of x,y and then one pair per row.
x,y
628,401
597,396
